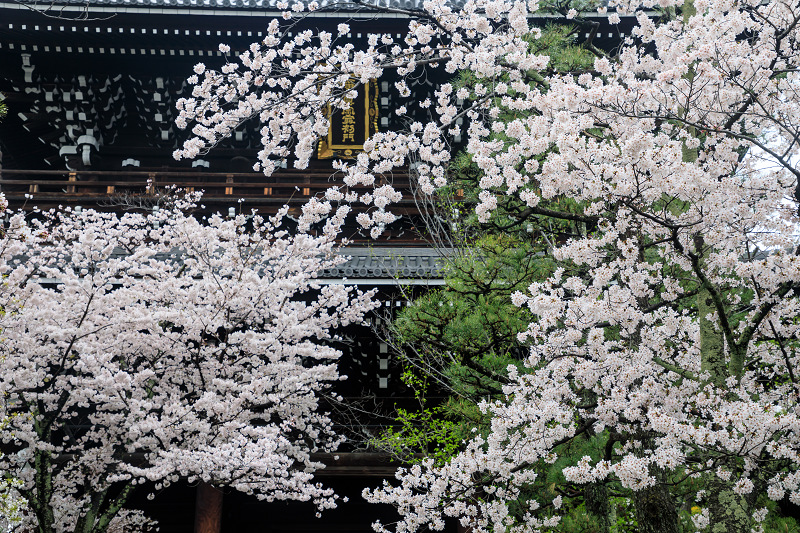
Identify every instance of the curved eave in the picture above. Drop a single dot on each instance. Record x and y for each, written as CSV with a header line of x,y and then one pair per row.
x,y
98,9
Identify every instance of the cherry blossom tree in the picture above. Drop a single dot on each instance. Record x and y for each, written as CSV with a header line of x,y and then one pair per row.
x,y
670,328
147,349
12,505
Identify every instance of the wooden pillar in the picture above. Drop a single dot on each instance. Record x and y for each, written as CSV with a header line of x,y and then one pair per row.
x,y
73,177
208,509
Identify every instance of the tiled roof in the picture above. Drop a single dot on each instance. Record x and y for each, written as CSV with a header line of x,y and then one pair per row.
x,y
364,264
268,5
388,263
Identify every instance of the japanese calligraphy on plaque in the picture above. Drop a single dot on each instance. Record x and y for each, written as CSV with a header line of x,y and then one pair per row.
x,y
349,128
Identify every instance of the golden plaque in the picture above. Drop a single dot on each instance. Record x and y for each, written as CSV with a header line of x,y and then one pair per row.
x,y
349,128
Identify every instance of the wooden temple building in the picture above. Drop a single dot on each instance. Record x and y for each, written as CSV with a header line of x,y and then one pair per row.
x,y
91,87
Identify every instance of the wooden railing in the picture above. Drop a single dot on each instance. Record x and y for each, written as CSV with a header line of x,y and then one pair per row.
x,y
54,186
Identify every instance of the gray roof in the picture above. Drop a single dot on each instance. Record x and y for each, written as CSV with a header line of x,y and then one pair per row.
x,y
268,6
367,266
388,263
263,5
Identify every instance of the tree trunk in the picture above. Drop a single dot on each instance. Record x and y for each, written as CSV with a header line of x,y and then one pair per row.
x,y
208,509
595,495
655,510
712,344
728,512
43,491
